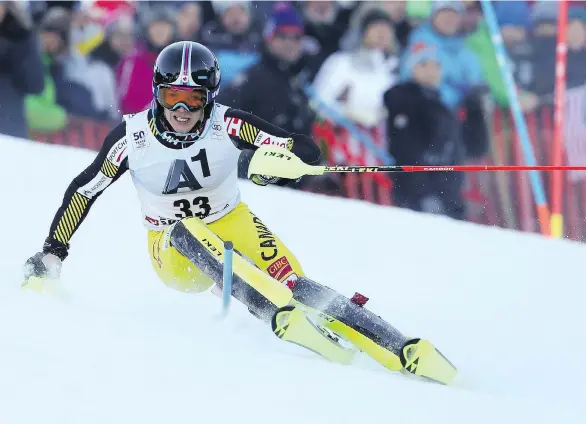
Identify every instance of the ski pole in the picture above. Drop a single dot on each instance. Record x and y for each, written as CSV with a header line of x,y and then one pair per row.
x,y
279,162
454,168
227,277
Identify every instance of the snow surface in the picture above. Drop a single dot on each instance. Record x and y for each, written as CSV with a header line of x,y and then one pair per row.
x,y
112,344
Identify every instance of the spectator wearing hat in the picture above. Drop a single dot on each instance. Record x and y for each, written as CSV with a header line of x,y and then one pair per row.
x,y
118,42
135,72
360,99
65,91
543,40
273,88
189,20
576,59
21,68
514,22
396,10
461,71
326,22
233,37
424,131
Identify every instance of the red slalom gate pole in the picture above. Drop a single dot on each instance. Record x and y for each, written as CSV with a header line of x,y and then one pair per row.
x,y
557,222
455,168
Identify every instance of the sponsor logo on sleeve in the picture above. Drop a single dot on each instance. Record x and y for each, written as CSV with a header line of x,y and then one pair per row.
x,y
139,140
280,268
233,126
116,153
264,139
96,185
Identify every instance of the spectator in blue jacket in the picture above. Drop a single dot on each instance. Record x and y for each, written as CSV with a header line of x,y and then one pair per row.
x,y
21,68
233,37
462,72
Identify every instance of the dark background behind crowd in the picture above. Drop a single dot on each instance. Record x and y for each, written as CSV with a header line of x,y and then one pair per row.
x,y
421,73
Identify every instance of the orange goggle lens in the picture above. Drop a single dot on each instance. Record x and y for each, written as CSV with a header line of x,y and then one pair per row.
x,y
172,97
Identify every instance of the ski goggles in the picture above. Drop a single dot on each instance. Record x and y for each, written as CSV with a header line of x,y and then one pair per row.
x,y
174,97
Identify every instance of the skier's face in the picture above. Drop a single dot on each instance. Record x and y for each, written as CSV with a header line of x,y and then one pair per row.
x,y
182,120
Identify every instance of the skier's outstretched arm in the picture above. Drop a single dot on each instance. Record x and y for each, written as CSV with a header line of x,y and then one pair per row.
x,y
107,167
249,132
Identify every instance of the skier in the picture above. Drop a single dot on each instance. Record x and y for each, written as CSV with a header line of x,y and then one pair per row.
x,y
183,154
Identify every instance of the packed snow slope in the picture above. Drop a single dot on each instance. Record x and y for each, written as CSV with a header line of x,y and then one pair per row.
x,y
111,344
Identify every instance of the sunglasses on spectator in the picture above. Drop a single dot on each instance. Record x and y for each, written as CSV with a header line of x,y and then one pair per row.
x,y
174,97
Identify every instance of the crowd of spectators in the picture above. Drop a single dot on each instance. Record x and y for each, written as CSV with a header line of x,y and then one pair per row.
x,y
409,67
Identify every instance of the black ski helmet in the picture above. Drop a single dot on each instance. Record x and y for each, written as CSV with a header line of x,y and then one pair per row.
x,y
185,64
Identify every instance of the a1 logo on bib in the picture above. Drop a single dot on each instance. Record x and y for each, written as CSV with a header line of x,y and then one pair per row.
x,y
180,176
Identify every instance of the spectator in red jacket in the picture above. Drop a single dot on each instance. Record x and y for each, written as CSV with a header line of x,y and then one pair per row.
x,y
135,72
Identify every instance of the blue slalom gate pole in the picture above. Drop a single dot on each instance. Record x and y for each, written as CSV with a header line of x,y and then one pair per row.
x,y
227,277
520,124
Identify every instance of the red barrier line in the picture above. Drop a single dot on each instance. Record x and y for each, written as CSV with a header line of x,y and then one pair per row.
x,y
454,168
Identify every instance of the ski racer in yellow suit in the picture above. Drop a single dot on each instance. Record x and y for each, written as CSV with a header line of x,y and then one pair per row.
x,y
183,156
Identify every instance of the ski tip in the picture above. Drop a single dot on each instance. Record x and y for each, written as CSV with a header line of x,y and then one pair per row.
x,y
420,357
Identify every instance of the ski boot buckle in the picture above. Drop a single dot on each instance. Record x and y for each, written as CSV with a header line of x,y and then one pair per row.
x,y
359,299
